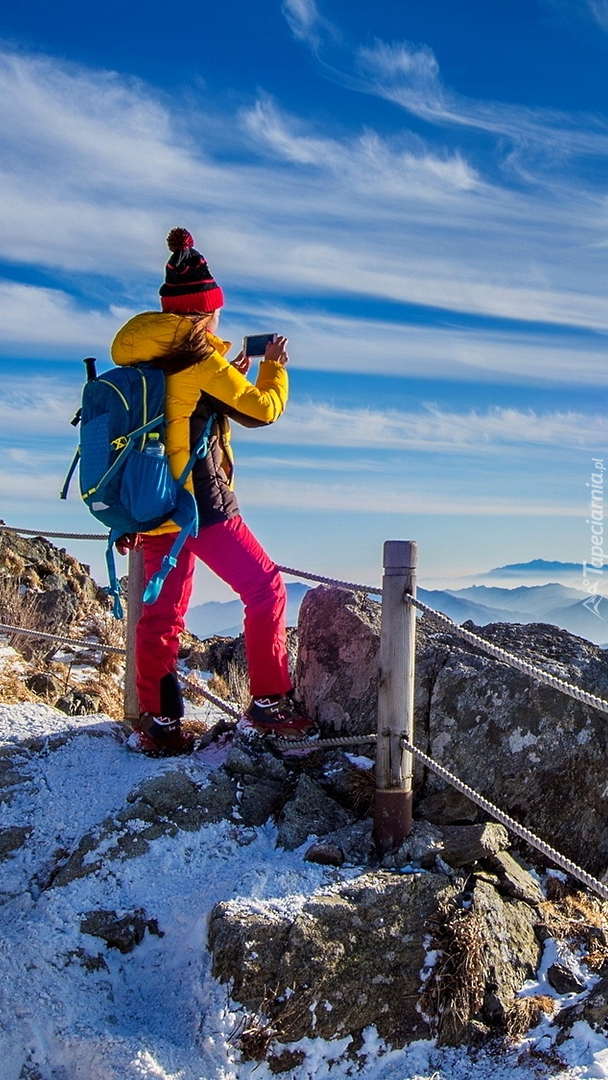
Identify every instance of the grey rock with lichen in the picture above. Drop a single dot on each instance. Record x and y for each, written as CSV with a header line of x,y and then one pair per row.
x,y
513,879
528,748
79,703
308,960
122,932
309,813
13,838
420,848
355,842
354,953
466,844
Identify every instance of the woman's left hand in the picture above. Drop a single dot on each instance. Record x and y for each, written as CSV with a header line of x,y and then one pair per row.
x,y
242,363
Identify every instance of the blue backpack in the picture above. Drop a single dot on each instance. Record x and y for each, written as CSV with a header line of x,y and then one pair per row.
x,y
126,488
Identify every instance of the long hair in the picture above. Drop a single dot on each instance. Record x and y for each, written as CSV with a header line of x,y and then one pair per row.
x,y
193,350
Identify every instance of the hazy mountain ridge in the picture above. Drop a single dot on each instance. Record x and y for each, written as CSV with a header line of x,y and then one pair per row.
x,y
535,566
226,618
554,603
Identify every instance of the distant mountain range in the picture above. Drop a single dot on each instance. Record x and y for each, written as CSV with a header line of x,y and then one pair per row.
x,y
569,608
226,619
535,566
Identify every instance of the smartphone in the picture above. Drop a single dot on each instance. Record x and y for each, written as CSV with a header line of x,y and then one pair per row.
x,y
255,345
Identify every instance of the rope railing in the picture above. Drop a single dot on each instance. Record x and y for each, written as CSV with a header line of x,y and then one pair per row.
x,y
22,631
330,581
532,670
54,535
535,672
510,823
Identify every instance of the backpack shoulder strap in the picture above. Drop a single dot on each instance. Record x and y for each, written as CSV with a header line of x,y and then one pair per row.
x,y
200,450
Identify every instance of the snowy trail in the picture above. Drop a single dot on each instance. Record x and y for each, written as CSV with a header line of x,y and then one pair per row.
x,y
72,1008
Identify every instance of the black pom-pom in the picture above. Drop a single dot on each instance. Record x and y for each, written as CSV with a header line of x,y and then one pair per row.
x,y
179,240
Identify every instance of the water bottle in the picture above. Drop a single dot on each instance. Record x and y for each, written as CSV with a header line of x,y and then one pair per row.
x,y
154,447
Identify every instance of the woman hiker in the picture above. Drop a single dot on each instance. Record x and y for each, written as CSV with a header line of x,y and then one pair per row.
x,y
181,339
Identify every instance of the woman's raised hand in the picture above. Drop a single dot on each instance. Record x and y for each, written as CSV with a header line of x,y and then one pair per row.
x,y
277,350
242,363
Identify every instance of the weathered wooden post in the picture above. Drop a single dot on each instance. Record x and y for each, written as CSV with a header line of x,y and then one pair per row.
x,y
394,764
135,591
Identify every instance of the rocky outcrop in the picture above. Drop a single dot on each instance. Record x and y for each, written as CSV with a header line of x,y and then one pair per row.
x,y
163,806
60,583
309,812
350,958
533,751
536,753
357,954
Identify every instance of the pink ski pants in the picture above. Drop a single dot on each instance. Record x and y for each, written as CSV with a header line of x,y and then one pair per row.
x,y
233,553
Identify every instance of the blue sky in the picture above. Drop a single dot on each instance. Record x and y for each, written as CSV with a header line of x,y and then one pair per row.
x,y
414,192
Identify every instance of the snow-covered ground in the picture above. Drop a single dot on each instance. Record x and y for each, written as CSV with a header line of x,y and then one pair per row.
x,y
156,1012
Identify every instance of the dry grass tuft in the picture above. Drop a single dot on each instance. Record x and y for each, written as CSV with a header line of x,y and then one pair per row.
x,y
13,690
218,685
233,687
454,991
196,727
238,685
526,1013
110,693
361,788
108,631
19,607
253,1035
277,1019
556,888
543,1063
582,921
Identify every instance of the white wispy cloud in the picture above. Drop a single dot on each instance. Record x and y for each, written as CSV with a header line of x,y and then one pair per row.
x,y
37,406
367,498
599,10
370,345
64,329
47,404
539,138
434,431
44,321
305,21
95,169
408,75
401,167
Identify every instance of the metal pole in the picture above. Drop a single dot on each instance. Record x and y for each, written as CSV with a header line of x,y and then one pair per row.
x,y
394,764
135,591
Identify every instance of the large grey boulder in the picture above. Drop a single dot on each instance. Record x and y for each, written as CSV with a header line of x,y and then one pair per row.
x,y
337,669
533,751
355,955
351,958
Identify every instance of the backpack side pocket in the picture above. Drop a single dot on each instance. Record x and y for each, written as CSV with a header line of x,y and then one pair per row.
x,y
148,491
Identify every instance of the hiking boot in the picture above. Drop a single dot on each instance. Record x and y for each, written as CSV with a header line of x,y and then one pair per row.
x,y
160,736
280,716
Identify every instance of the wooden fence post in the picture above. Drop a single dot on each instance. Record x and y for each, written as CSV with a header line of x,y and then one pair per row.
x,y
394,764
135,591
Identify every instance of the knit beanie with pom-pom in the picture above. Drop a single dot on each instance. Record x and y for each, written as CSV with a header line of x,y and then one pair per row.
x,y
189,287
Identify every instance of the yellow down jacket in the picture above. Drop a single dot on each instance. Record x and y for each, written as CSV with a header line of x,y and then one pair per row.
x,y
208,385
